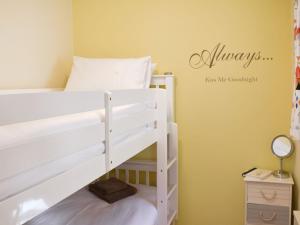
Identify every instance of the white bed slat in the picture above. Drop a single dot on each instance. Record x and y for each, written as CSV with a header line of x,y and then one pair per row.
x,y
126,97
159,79
137,177
17,108
142,165
41,150
137,166
135,120
147,178
132,146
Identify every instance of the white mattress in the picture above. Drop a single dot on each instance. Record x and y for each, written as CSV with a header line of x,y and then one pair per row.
x,y
84,208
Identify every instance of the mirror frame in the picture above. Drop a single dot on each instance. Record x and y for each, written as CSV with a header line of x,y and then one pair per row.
x,y
292,146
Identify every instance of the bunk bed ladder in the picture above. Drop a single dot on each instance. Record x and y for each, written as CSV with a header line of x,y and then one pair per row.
x,y
166,167
162,159
167,156
172,151
172,173
167,177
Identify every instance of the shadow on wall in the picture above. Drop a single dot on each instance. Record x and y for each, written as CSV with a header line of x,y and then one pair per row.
x,y
56,80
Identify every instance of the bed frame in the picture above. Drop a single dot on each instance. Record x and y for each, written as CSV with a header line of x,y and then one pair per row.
x,y
32,105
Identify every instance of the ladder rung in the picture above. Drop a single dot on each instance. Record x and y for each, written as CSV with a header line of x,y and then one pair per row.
x,y
171,190
171,216
171,162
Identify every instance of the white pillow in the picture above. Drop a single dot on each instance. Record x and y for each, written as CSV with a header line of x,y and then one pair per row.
x,y
110,74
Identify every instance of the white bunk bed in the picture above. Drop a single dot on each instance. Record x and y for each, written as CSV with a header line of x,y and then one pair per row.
x,y
73,138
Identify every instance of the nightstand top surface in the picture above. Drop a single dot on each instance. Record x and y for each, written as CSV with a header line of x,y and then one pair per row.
x,y
270,179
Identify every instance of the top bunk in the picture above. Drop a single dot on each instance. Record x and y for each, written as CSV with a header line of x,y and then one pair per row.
x,y
83,100
53,138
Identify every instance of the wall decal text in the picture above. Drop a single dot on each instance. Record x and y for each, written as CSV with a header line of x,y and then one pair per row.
x,y
221,53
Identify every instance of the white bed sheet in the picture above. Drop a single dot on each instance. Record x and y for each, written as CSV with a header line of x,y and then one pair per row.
x,y
20,133
84,208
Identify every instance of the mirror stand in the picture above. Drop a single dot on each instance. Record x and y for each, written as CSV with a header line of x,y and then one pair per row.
x,y
281,173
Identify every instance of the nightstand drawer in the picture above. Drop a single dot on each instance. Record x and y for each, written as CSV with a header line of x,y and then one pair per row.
x,y
266,214
269,194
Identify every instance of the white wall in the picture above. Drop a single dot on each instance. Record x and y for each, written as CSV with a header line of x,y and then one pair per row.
x,y
36,43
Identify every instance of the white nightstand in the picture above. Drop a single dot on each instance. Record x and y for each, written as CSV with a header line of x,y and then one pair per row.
x,y
268,201
296,217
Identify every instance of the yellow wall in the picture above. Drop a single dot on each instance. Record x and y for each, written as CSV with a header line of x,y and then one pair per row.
x,y
36,45
224,128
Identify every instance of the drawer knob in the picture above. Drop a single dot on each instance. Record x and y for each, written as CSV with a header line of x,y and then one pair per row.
x,y
261,215
268,198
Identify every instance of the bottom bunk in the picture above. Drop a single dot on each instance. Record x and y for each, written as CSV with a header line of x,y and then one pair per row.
x,y
83,207
31,192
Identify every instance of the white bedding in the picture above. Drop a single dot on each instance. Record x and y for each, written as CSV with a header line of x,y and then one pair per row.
x,y
83,208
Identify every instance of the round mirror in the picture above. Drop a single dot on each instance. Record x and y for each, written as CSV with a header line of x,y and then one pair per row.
x,y
282,147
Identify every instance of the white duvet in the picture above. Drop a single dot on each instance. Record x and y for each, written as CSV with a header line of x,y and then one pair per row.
x,y
83,208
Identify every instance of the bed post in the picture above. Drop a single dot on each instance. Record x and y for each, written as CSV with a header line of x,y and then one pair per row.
x,y
170,96
168,81
108,129
162,157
